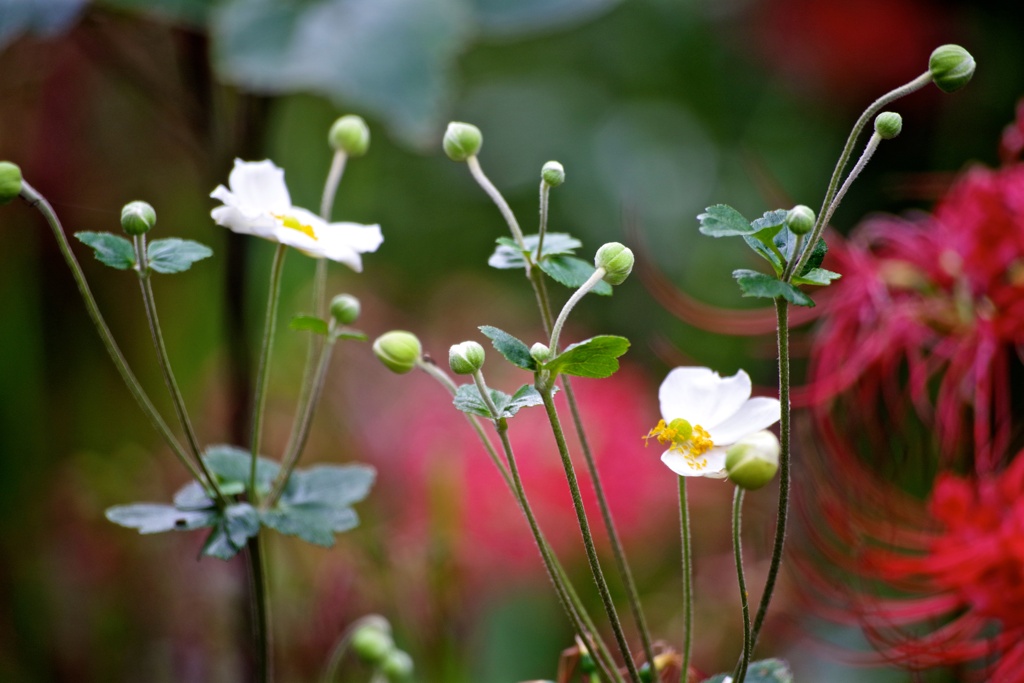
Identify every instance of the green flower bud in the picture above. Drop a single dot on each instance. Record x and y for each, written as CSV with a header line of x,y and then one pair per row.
x,y
398,350
462,141
345,309
617,261
540,352
951,67
137,218
397,667
10,182
888,125
372,645
553,173
800,219
350,135
466,358
753,461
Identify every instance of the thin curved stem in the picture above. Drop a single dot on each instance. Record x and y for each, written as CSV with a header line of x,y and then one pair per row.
x,y
782,314
38,202
844,158
492,192
341,647
588,539
737,547
263,371
556,329
262,639
542,229
149,303
684,533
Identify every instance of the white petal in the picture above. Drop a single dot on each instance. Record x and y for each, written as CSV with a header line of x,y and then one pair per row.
x,y
361,238
715,468
701,396
258,186
753,416
263,225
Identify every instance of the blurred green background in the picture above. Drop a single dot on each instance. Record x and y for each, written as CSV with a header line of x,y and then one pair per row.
x,y
657,108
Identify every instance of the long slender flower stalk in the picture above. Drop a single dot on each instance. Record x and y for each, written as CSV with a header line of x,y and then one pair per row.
x,y
737,547
684,534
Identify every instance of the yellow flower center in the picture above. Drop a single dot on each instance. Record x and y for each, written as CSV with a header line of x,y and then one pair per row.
x,y
692,441
293,223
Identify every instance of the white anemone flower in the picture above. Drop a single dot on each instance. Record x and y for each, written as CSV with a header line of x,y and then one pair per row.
x,y
703,414
258,203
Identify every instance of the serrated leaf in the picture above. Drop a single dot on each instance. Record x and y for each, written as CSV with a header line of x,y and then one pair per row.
x,y
154,518
722,220
785,242
312,523
526,397
755,284
174,255
763,671
109,249
238,524
573,272
514,350
770,219
310,323
331,485
595,357
509,255
231,465
468,400
768,254
816,258
817,276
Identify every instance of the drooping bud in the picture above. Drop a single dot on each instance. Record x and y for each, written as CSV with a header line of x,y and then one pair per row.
x,y
540,353
888,125
800,219
617,261
462,140
951,67
466,358
398,350
350,135
137,218
10,182
553,173
345,309
397,667
753,461
372,644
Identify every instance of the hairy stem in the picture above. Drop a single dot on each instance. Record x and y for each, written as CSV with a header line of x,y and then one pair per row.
x,y
737,547
262,641
684,533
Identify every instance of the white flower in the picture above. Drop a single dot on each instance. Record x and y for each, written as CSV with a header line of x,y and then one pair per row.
x,y
703,414
258,203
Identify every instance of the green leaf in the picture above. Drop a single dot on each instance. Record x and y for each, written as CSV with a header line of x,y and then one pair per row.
x,y
817,276
238,524
763,671
174,255
315,504
231,466
468,400
349,333
154,518
111,250
594,357
785,242
309,323
526,397
514,350
755,284
770,219
312,523
509,255
722,220
573,272
768,254
816,257
192,496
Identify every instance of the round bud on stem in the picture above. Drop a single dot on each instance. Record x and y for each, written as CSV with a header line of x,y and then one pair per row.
x,y
553,173
345,309
397,667
350,135
800,219
753,461
372,645
540,352
951,67
398,350
617,261
462,141
10,182
466,358
888,125
137,218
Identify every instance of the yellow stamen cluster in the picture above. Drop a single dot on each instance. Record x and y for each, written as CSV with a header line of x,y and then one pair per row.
x,y
692,441
293,223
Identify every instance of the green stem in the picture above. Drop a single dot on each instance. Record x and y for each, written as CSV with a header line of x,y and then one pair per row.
x,y
263,371
545,190
38,202
782,315
737,547
262,640
588,539
844,158
341,647
556,329
684,533
331,185
149,303
492,192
